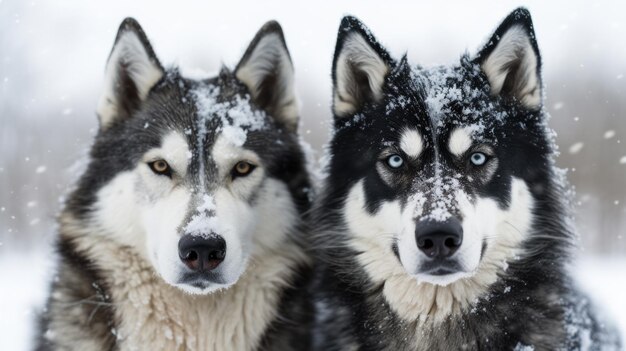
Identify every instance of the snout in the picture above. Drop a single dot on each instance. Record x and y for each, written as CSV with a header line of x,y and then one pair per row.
x,y
439,240
202,253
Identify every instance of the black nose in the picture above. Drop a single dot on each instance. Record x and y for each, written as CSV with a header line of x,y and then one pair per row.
x,y
202,253
439,239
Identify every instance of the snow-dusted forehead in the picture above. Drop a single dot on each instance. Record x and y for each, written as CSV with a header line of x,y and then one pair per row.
x,y
223,112
444,98
232,116
460,96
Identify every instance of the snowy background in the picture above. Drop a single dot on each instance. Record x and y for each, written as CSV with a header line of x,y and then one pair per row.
x,y
52,57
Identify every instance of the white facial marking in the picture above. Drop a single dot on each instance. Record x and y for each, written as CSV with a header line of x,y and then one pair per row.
x,y
165,205
116,210
407,244
485,222
174,150
513,224
161,221
283,208
233,219
373,233
411,143
416,296
460,141
226,212
226,153
125,198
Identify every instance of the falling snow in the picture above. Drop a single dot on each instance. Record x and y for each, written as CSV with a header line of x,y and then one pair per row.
x,y
576,148
598,274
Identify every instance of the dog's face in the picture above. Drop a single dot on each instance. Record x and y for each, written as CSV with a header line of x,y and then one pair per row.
x,y
432,165
190,173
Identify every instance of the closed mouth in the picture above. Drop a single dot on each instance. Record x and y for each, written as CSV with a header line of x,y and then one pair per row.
x,y
201,280
440,267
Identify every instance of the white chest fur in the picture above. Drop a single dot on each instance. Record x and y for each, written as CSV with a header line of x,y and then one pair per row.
x,y
151,315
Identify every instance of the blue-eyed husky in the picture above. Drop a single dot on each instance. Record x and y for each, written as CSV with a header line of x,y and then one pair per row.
x,y
444,221
184,231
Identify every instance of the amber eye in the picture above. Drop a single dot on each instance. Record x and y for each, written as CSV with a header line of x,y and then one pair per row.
x,y
242,169
160,167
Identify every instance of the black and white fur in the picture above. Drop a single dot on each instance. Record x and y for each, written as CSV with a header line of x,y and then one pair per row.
x,y
122,282
461,153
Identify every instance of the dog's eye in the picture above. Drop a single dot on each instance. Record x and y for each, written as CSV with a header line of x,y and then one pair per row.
x,y
395,161
242,169
160,167
478,158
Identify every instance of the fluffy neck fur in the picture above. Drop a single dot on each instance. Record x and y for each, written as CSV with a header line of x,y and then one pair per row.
x,y
420,302
153,315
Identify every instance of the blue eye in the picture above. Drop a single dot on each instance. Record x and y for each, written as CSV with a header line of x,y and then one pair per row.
x,y
395,161
478,158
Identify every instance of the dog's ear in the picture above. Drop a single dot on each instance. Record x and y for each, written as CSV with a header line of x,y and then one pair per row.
x,y
511,60
266,69
360,66
131,71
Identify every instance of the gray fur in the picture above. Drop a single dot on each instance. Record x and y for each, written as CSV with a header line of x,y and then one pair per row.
x,y
84,311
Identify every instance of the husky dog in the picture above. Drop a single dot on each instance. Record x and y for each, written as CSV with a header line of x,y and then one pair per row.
x,y
444,224
184,232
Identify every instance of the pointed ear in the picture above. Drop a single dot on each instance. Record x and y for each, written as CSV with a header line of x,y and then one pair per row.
x,y
131,71
511,60
360,66
267,71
